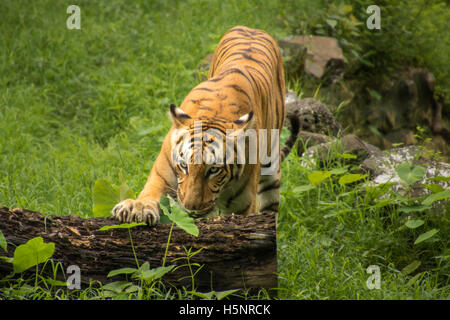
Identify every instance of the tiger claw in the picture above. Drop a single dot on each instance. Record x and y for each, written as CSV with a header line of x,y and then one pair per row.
x,y
130,210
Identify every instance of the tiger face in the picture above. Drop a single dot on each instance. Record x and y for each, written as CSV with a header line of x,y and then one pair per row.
x,y
199,158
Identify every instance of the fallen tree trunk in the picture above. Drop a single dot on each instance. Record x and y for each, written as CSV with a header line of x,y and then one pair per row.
x,y
237,251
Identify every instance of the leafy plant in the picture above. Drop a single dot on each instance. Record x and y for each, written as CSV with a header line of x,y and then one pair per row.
x,y
179,217
3,243
107,195
32,253
218,295
187,256
409,173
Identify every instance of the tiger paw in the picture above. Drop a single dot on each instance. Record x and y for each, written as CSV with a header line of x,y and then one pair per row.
x,y
130,210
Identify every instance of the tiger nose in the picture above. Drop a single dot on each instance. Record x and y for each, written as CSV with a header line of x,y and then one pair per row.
x,y
190,204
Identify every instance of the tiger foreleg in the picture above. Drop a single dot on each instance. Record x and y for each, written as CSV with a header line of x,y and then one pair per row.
x,y
146,207
269,193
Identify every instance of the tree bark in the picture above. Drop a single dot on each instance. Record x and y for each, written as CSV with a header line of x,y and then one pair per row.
x,y
236,251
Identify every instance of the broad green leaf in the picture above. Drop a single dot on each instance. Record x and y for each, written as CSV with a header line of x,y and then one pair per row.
x,y
144,267
302,189
350,178
410,174
3,243
163,219
219,295
436,197
414,208
116,286
331,22
223,294
435,188
121,271
347,156
125,191
32,253
411,267
425,236
164,203
412,224
122,226
440,178
132,288
339,171
205,296
155,274
105,197
318,176
182,220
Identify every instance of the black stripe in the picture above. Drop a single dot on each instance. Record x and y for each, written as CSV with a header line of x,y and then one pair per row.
x,y
275,185
261,63
246,208
261,52
238,89
226,40
215,79
203,89
237,193
222,52
262,75
274,206
164,179
232,71
212,145
257,86
240,29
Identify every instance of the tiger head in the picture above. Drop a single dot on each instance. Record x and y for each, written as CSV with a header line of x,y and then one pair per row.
x,y
199,156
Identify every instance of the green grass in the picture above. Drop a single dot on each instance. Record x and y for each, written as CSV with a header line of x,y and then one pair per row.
x,y
80,105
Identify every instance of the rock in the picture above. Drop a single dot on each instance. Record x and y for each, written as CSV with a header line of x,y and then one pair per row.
x,y
382,169
308,139
314,116
405,101
294,57
318,56
404,136
348,144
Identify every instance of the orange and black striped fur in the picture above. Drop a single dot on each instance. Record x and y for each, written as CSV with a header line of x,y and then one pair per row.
x,y
245,90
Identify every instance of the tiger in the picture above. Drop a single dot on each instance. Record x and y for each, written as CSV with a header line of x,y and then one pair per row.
x,y
245,90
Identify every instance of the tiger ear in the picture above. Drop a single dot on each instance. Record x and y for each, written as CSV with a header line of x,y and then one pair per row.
x,y
246,121
179,117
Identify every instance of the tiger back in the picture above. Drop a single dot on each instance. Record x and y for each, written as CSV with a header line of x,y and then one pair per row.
x,y
199,163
